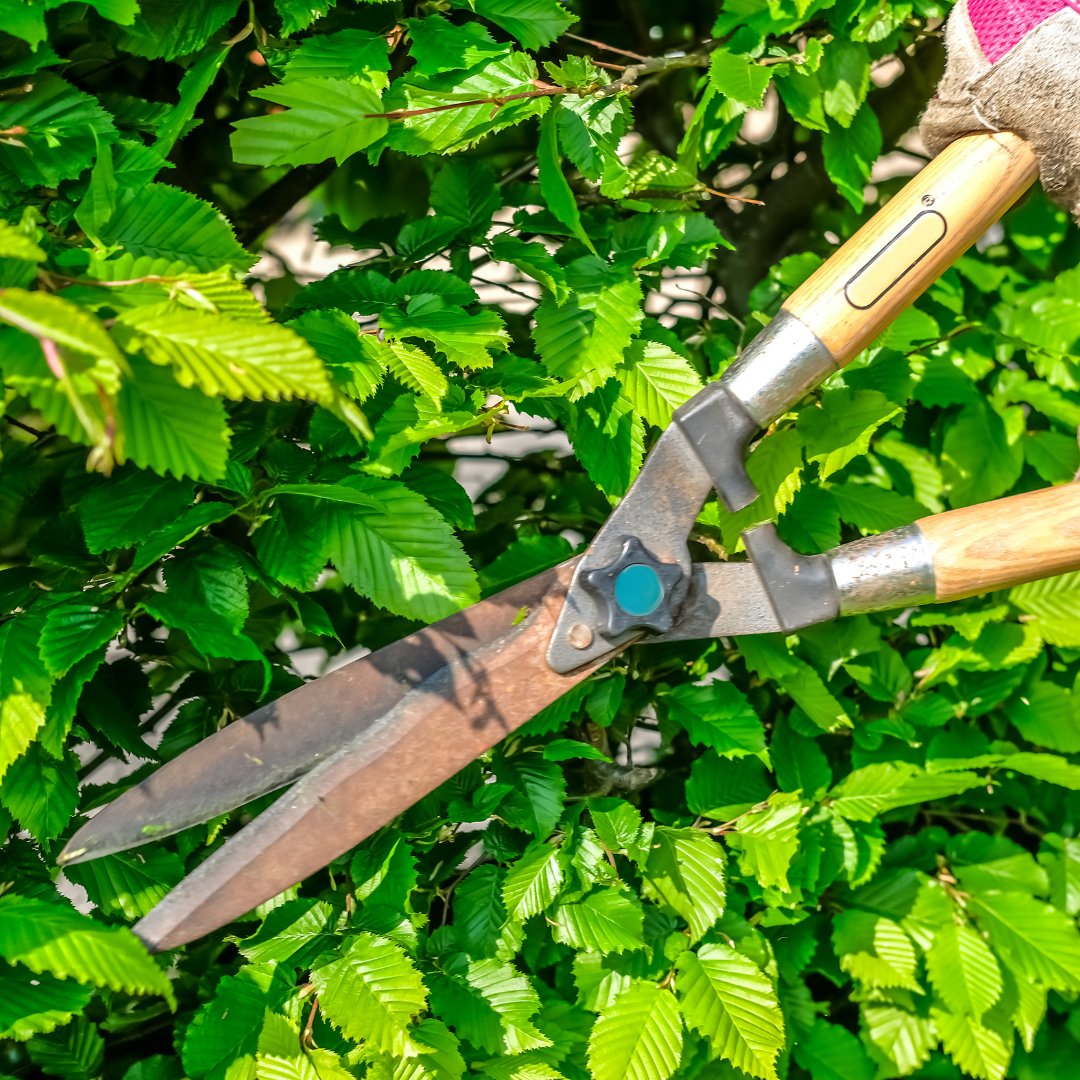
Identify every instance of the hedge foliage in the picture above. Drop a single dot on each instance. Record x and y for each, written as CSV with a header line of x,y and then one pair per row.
x,y
851,853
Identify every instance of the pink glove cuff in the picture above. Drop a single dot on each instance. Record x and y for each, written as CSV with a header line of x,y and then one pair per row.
x,y
1000,25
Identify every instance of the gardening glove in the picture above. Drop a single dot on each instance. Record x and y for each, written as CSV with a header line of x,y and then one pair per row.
x,y
1014,65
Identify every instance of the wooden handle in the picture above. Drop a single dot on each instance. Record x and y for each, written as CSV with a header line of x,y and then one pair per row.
x,y
918,234
1003,543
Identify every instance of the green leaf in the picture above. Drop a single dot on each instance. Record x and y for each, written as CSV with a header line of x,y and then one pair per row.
x,y
963,971
768,839
684,873
900,1037
169,428
535,23
319,119
583,340
57,941
35,1004
554,187
491,1005
383,870
727,999
1036,940
1061,857
412,367
385,541
538,792
295,931
168,30
1046,715
15,244
465,339
129,884
359,55
620,828
609,438
479,910
74,629
161,230
831,1052
657,380
1055,603
373,992
590,132
222,356
739,78
875,950
874,509
25,689
534,260
62,125
874,789
465,193
981,1050
772,660
41,793
845,77
637,1037
981,457
356,362
850,153
718,716
533,882
222,1039
45,316
605,920
722,789
842,428
1049,767
438,45
76,1052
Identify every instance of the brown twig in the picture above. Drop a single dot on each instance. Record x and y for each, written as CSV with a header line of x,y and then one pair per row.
x,y
500,100
607,48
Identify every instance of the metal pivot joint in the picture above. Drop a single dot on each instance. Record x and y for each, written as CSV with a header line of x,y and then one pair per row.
x,y
637,591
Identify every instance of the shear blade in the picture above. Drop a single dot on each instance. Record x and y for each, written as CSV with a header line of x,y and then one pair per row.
x,y
376,736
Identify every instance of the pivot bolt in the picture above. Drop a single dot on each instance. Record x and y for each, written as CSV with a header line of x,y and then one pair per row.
x,y
636,591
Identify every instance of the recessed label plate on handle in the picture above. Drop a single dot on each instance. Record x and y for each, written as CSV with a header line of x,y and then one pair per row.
x,y
889,266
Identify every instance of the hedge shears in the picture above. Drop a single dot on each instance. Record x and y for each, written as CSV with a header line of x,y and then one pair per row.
x,y
362,744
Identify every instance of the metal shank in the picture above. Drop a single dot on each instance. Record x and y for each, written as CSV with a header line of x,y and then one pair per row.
x,y
891,570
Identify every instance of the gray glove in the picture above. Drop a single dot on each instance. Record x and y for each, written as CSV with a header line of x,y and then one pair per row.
x,y
1014,65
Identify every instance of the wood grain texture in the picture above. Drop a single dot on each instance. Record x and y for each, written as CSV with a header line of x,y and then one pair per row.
x,y
1006,542
917,235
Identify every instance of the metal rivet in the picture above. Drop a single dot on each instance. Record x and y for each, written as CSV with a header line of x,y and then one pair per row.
x,y
580,636
928,200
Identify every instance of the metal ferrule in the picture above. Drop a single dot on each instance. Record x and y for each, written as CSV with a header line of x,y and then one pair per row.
x,y
895,569
779,366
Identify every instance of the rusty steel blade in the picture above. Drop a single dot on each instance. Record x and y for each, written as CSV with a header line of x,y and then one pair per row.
x,y
443,669
489,682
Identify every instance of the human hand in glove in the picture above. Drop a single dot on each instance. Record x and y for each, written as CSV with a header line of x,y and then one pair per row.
x,y
1014,65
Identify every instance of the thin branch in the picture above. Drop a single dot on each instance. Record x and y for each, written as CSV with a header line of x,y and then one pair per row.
x,y
498,100
25,427
603,47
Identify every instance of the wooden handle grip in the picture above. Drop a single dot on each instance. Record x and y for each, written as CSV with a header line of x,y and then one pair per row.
x,y
1003,543
917,235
